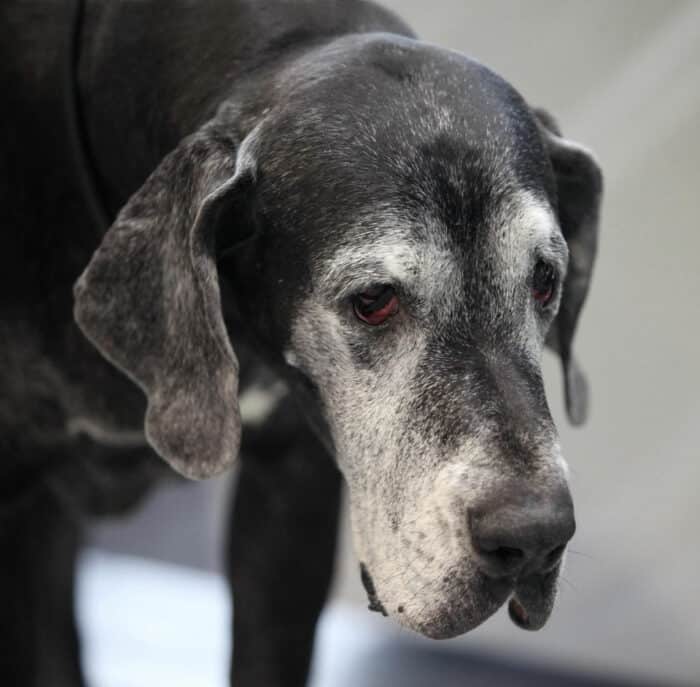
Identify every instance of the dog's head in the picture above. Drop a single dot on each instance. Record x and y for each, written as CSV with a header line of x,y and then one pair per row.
x,y
402,235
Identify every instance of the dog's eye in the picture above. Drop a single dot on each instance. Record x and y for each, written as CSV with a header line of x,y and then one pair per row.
x,y
544,280
376,304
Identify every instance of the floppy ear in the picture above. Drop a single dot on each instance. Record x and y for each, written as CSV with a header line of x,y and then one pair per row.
x,y
149,301
579,185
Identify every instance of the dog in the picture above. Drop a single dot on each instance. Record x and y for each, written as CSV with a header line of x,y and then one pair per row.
x,y
222,199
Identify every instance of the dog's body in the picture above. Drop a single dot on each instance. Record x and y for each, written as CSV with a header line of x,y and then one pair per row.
x,y
407,206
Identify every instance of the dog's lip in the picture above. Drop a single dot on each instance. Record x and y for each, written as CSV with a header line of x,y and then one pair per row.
x,y
460,615
532,601
518,614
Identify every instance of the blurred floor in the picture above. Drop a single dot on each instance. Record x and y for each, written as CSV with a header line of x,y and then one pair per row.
x,y
161,624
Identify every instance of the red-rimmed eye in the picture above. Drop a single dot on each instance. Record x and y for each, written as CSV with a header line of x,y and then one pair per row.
x,y
544,280
376,305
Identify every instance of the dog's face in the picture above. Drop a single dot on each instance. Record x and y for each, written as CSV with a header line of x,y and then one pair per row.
x,y
414,221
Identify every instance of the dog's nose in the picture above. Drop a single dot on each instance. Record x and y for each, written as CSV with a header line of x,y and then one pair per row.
x,y
517,532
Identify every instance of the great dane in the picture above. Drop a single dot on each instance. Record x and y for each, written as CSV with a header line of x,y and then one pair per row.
x,y
202,200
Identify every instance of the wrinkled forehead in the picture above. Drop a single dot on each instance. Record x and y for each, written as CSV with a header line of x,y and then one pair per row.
x,y
389,114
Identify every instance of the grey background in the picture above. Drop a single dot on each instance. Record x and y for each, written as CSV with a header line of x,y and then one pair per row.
x,y
623,78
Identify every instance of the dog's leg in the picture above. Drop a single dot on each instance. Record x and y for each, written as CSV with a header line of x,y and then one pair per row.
x,y
281,550
39,540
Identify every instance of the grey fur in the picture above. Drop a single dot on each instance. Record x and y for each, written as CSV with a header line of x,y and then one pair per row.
x,y
149,300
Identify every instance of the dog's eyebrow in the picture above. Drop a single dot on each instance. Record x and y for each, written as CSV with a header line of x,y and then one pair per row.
x,y
352,270
556,250
537,218
354,278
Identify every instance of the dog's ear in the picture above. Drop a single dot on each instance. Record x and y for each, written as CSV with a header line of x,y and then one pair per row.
x,y
579,185
149,300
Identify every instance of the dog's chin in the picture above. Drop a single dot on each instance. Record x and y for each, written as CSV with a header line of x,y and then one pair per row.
x,y
469,605
531,601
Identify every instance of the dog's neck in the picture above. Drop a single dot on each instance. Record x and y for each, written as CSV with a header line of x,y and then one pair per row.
x,y
180,74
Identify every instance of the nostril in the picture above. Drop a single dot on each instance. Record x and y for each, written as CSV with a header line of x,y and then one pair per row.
x,y
498,560
507,557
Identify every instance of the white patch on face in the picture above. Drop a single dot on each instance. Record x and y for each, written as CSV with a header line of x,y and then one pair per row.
x,y
530,224
430,523
359,403
536,218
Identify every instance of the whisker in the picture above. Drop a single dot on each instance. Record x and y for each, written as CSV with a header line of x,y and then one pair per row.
x,y
569,583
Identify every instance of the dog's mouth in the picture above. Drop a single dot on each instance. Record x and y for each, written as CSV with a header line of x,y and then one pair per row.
x,y
533,600
530,603
374,603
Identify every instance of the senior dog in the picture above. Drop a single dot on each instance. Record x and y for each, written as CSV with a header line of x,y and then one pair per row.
x,y
382,230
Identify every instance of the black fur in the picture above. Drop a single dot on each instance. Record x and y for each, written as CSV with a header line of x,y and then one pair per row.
x,y
141,114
